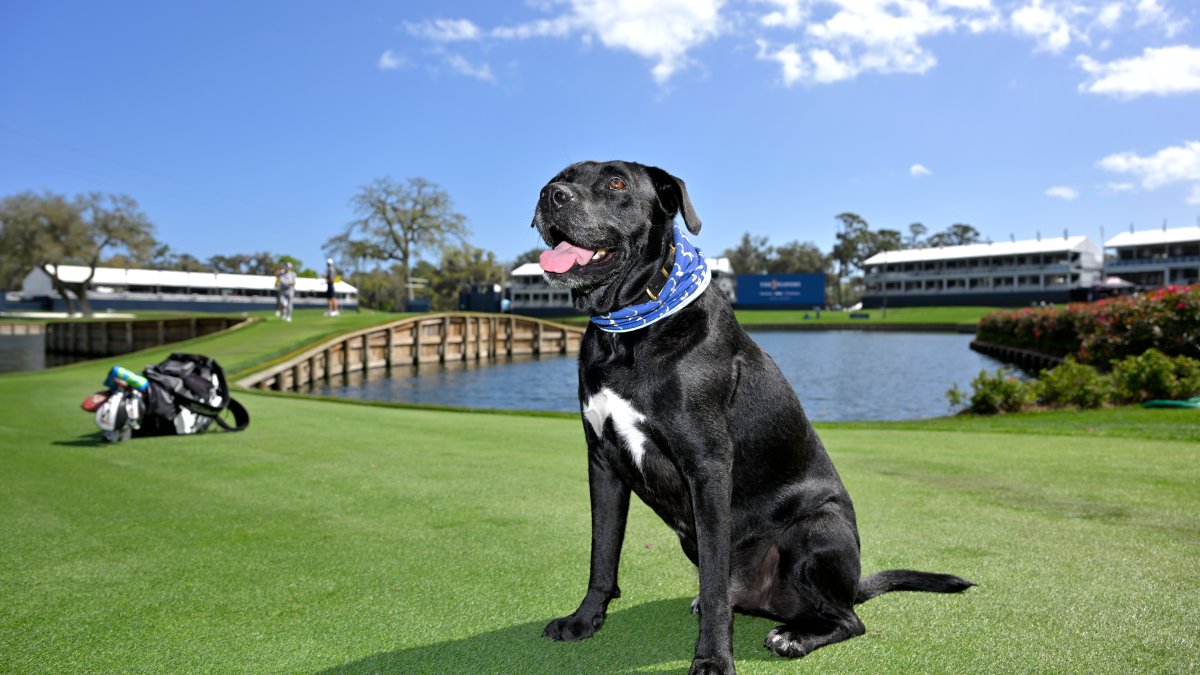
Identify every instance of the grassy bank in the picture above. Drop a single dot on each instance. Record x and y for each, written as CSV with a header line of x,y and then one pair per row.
x,y
906,315
358,538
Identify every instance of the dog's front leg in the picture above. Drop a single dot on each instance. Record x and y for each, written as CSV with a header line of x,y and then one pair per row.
x,y
711,498
610,508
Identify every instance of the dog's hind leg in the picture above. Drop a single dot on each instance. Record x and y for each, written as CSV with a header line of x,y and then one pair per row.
x,y
819,570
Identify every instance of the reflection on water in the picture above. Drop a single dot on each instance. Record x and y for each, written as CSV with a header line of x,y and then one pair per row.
x,y
839,376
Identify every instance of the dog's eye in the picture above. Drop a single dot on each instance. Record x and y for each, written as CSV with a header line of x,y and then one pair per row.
x,y
616,183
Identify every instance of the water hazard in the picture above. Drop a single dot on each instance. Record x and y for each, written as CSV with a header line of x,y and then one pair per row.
x,y
839,376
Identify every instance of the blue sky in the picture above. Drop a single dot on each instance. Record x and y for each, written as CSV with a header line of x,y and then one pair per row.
x,y
248,126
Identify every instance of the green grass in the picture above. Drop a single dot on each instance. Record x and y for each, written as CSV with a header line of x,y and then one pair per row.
x,y
907,315
365,538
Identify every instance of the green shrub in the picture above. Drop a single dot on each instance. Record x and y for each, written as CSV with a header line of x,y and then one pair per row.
x,y
994,392
1154,375
1072,384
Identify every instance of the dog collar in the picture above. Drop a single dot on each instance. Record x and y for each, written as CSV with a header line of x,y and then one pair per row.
x,y
686,280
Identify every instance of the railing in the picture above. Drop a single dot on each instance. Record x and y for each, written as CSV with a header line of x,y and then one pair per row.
x,y
430,338
1154,262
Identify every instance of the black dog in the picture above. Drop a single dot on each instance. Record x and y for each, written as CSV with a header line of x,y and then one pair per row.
x,y
691,415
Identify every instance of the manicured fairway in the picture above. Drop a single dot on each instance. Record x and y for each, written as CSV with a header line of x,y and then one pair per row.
x,y
357,538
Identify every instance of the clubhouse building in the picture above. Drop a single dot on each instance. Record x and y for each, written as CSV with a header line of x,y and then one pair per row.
x,y
114,288
991,274
1156,258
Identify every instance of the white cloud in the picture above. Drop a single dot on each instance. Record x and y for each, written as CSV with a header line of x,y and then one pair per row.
x,y
1063,192
444,30
660,30
1045,23
464,67
790,14
1151,13
860,36
663,31
1117,188
1110,15
390,61
919,170
1165,71
1175,164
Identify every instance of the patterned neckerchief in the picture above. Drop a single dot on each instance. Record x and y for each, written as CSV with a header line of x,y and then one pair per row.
x,y
686,280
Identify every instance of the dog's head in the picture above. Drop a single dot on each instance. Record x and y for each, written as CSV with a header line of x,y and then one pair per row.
x,y
609,229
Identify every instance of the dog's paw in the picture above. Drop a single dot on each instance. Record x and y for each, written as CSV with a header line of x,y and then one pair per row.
x,y
574,627
713,665
781,641
696,605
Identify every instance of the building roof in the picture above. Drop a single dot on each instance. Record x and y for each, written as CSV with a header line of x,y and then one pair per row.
x,y
528,270
118,276
1150,237
1003,248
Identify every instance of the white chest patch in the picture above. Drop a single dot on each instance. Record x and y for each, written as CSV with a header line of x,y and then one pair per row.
x,y
604,405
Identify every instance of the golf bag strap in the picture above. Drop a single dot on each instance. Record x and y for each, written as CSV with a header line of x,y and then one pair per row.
x,y
241,418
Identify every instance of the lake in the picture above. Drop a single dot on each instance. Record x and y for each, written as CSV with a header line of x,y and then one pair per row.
x,y
839,376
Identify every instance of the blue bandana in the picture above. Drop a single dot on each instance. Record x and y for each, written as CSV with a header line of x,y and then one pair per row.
x,y
686,280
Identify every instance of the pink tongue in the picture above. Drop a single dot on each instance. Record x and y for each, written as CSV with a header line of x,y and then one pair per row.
x,y
560,258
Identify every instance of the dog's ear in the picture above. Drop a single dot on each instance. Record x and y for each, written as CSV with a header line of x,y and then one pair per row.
x,y
673,196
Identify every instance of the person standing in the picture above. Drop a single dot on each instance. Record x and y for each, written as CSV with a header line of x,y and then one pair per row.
x,y
330,280
287,290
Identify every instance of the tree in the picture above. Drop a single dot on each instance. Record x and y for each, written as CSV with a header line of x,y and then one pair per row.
x,y
797,258
848,249
398,221
460,267
916,235
47,231
751,255
958,234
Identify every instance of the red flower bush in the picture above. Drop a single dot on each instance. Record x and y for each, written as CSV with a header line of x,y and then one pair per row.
x,y
1167,319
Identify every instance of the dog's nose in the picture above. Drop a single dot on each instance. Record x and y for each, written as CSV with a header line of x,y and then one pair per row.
x,y
556,195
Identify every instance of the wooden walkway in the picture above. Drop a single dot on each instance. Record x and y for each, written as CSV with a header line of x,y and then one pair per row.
x,y
429,338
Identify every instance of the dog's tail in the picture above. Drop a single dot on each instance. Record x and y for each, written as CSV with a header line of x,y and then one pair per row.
x,y
908,580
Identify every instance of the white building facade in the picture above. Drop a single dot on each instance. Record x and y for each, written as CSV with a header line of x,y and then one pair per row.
x,y
132,289
1156,258
992,274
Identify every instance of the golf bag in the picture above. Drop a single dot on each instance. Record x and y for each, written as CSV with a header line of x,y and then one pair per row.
x,y
185,394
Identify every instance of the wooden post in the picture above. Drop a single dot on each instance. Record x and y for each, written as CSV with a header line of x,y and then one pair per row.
x,y
466,338
326,365
391,344
537,338
346,360
295,377
162,332
445,337
566,339
416,342
312,370
129,336
192,327
510,336
366,353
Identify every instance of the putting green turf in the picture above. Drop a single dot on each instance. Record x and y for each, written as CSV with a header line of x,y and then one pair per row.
x,y
355,538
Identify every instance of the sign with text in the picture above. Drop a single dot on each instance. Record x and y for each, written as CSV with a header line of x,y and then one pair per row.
x,y
780,291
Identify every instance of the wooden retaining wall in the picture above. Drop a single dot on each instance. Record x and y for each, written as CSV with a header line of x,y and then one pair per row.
x,y
1025,359
431,338
110,338
11,328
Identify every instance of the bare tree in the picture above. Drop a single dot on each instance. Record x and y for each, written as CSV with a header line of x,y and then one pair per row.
x,y
397,222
